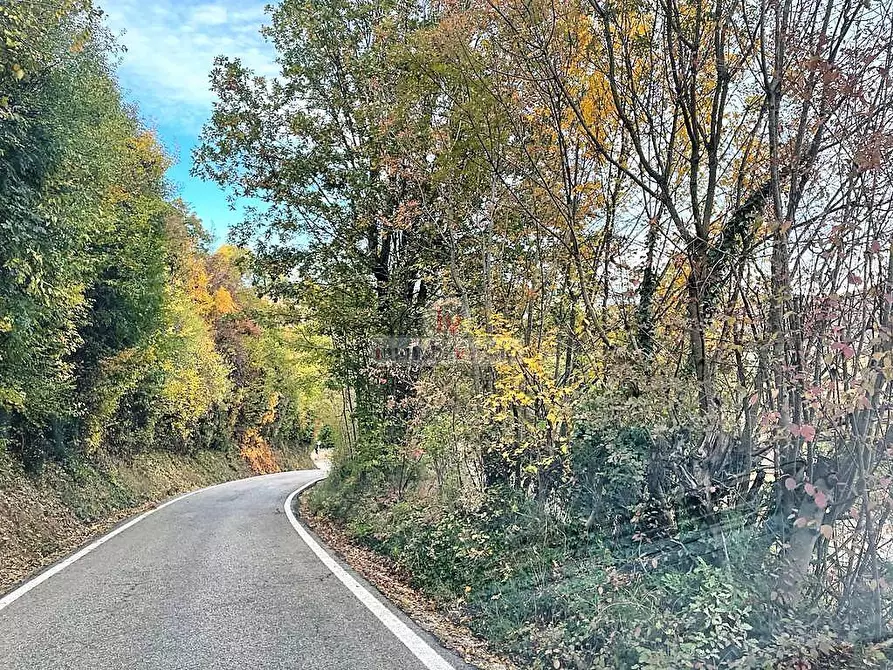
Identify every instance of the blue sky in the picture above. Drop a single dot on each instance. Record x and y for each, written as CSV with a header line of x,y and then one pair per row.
x,y
171,45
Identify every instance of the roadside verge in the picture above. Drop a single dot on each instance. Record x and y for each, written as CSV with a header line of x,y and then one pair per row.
x,y
388,579
46,517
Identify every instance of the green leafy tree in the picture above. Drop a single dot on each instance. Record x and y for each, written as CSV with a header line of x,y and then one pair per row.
x,y
324,147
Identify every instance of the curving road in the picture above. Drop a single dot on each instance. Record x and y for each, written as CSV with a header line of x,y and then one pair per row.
x,y
219,579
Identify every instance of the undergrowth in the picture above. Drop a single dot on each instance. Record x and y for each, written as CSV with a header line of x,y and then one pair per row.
x,y
553,595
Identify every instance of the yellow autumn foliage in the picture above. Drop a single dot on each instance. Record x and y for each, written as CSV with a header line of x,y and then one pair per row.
x,y
195,374
270,415
223,301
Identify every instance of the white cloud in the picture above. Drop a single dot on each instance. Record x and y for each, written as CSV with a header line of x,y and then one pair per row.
x,y
171,46
212,15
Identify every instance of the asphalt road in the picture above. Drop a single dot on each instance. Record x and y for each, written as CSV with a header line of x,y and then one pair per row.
x,y
216,580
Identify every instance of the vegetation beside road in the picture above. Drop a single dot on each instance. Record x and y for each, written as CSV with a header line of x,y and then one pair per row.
x,y
608,288
135,360
396,584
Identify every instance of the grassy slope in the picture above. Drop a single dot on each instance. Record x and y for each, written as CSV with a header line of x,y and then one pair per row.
x,y
44,517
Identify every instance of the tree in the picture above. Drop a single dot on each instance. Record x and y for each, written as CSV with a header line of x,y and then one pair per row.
x,y
639,243
324,147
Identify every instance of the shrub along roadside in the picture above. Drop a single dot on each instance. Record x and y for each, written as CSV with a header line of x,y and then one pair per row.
x,y
394,583
552,596
45,517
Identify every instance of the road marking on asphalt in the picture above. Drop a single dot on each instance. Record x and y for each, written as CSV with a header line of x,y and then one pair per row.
x,y
12,596
421,649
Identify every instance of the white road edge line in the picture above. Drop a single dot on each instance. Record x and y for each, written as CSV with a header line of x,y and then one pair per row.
x,y
421,649
12,596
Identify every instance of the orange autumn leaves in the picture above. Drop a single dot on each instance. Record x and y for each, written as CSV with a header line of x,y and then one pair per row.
x,y
257,453
255,449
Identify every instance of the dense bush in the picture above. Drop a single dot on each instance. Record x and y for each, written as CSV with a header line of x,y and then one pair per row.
x,y
555,597
120,332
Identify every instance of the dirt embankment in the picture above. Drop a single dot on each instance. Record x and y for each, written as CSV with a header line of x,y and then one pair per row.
x,y
43,517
